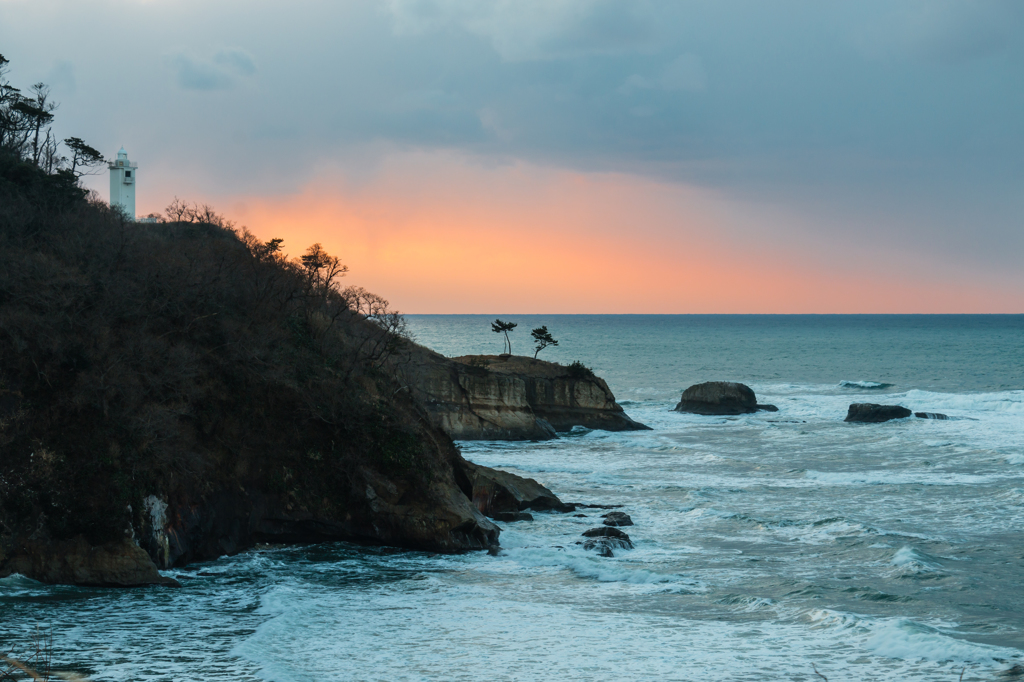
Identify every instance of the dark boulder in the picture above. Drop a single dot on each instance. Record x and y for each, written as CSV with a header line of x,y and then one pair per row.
x,y
605,532
931,415
720,398
617,519
872,413
509,516
606,538
493,491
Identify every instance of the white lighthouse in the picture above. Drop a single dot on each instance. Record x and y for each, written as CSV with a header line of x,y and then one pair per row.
x,y
123,174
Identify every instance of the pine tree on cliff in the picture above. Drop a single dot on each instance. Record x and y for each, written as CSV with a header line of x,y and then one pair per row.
x,y
543,338
499,327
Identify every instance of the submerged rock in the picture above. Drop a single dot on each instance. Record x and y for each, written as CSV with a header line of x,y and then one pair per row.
x,y
493,492
617,519
720,398
930,415
873,413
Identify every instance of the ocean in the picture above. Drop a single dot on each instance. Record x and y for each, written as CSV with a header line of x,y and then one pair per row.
x,y
781,545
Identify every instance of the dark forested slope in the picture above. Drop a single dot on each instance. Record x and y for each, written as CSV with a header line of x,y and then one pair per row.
x,y
184,384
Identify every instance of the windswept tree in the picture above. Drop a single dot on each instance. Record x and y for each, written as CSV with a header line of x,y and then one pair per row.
x,y
84,159
500,327
542,337
26,132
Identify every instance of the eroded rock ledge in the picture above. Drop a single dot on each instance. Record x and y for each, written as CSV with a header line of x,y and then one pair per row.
x,y
509,397
446,516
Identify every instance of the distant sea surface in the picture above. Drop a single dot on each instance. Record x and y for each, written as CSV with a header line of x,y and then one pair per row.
x,y
768,546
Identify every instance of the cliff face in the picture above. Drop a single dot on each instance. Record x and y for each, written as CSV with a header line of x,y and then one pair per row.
x,y
508,397
407,495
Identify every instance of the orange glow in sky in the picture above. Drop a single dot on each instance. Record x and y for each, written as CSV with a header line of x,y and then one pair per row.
x,y
443,235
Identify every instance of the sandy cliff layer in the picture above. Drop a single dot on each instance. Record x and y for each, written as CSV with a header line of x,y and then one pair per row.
x,y
509,397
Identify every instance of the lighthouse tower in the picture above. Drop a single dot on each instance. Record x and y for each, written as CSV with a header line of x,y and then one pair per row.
x,y
123,174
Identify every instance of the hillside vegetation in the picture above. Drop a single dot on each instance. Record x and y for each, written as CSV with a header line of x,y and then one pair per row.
x,y
187,361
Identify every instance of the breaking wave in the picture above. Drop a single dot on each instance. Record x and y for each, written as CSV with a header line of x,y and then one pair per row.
x,y
863,384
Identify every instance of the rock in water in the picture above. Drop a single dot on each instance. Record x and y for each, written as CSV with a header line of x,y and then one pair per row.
x,y
606,538
617,519
493,491
872,413
930,415
720,397
509,516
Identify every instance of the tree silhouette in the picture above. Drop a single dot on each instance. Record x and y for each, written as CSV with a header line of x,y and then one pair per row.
x,y
26,132
83,156
543,338
499,327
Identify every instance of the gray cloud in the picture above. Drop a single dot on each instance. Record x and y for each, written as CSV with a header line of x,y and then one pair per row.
x,y
685,72
878,113
222,72
525,30
62,78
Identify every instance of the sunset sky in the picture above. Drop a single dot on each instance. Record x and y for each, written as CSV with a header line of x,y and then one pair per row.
x,y
574,156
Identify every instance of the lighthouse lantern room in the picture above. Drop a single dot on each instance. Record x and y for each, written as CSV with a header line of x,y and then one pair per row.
x,y
123,176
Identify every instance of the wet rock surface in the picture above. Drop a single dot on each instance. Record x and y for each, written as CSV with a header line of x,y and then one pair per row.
x,y
872,413
493,492
617,519
931,415
605,540
509,517
720,398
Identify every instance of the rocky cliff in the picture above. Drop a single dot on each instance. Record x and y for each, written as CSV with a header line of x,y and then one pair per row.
x,y
508,397
172,392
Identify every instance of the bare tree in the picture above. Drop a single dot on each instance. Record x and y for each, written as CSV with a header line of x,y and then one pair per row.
x,y
178,211
38,109
387,332
50,159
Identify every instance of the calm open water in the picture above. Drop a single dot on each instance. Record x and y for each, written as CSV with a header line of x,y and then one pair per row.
x,y
767,545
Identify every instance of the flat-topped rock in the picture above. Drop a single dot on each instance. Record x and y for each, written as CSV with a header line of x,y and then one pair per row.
x,y
508,397
873,413
720,398
931,415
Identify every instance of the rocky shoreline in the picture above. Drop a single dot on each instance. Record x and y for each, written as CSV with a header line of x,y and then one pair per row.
x,y
447,509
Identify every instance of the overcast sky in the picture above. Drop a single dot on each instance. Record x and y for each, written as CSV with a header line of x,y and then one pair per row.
x,y
836,147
